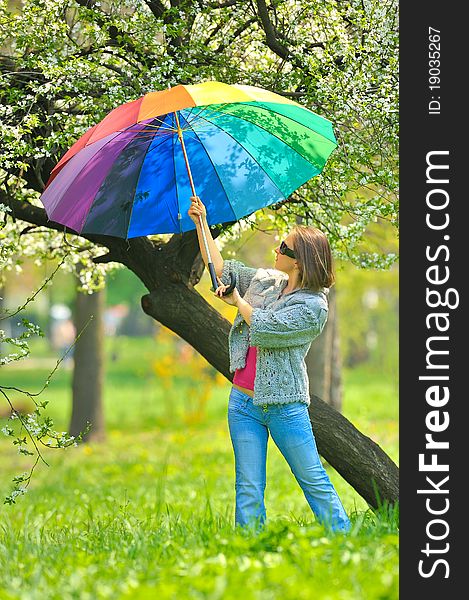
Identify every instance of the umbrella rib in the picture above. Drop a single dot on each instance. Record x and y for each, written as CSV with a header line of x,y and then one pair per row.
x,y
142,134
161,121
145,135
214,115
153,146
190,121
197,118
247,152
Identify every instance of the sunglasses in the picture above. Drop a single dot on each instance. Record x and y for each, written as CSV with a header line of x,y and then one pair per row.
x,y
284,249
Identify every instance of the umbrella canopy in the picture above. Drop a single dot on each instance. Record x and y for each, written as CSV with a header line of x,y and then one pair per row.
x,y
247,148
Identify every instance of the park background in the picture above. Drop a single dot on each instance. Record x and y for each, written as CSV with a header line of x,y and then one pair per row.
x,y
166,467
149,507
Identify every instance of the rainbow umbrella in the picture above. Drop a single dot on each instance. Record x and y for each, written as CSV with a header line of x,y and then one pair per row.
x,y
133,173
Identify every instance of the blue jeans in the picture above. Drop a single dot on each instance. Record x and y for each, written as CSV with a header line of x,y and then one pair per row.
x,y
291,430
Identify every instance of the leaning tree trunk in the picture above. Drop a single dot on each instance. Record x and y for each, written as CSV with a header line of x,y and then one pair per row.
x,y
169,271
87,385
323,360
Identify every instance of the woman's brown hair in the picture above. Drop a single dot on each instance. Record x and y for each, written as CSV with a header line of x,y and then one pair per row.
x,y
314,258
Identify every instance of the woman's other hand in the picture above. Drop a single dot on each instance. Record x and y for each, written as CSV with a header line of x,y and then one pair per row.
x,y
196,209
232,299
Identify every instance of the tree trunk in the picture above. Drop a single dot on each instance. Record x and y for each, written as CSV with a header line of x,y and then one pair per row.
x,y
169,271
323,360
87,386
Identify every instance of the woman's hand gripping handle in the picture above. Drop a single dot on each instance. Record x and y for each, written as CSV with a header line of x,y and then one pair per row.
x,y
198,214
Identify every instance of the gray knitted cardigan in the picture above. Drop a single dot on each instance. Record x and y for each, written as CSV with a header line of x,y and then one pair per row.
x,y
282,328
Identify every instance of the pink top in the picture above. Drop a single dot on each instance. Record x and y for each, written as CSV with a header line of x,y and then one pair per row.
x,y
245,377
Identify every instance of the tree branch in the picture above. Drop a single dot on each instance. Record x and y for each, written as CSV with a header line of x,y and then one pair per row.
x,y
155,264
126,252
104,258
114,32
161,12
156,7
235,35
270,36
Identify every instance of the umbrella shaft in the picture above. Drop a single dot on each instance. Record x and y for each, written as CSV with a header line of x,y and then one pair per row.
x,y
194,193
204,237
181,139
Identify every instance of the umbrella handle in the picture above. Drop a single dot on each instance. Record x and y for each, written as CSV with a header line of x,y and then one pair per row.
x,y
213,276
231,287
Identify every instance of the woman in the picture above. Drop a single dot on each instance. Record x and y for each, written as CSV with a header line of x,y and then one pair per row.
x,y
280,312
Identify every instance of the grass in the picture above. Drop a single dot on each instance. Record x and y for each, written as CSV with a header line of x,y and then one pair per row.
x,y
150,512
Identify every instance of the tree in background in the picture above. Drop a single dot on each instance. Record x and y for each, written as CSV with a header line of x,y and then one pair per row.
x,y
65,65
88,367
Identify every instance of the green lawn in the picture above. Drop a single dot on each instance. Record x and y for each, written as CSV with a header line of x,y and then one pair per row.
x,y
150,512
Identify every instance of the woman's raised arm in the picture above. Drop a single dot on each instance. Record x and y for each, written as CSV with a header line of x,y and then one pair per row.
x,y
197,208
